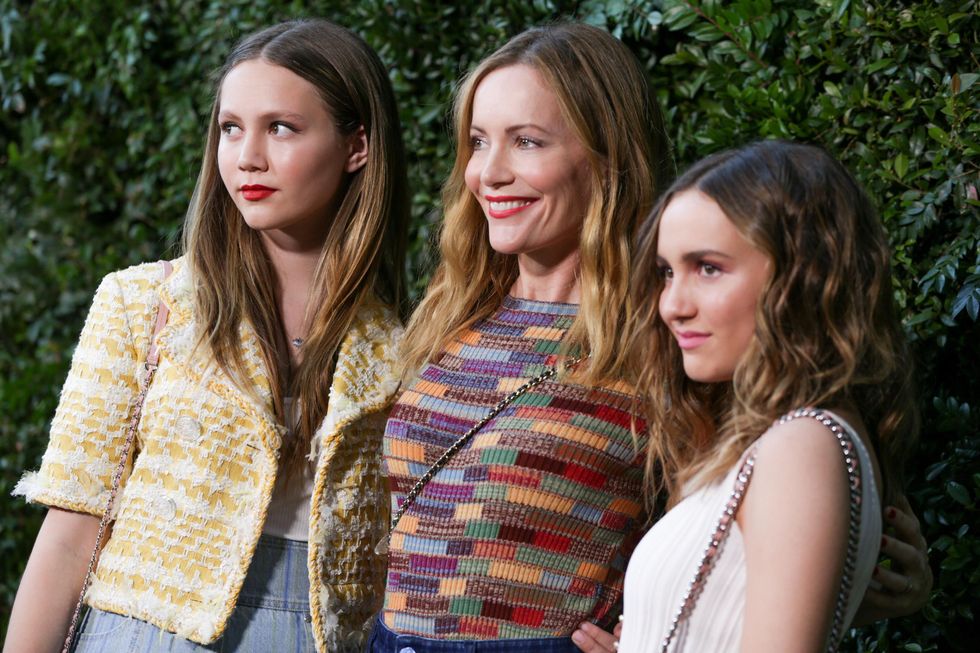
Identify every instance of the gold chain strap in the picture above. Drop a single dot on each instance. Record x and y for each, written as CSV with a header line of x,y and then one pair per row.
x,y
150,366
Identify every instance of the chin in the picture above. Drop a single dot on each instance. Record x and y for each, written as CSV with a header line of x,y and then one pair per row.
x,y
504,246
707,374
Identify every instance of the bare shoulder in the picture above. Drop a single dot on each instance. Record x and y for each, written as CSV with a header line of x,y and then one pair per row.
x,y
800,473
804,444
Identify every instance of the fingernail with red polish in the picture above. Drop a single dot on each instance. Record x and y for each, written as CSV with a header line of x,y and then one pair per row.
x,y
890,513
884,541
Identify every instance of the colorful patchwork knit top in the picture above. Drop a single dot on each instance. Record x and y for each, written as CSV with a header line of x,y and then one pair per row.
x,y
527,530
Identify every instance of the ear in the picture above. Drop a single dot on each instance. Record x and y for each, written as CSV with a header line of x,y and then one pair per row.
x,y
357,150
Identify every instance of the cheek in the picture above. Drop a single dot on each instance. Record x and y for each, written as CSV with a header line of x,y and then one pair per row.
x,y
739,314
471,176
305,163
317,169
227,164
661,303
575,187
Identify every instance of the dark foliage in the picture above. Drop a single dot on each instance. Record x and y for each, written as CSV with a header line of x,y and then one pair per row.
x,y
102,110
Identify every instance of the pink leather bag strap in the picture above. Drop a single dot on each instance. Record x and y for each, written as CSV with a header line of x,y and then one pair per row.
x,y
150,366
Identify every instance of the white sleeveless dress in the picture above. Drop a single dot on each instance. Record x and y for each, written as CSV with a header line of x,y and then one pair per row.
x,y
667,557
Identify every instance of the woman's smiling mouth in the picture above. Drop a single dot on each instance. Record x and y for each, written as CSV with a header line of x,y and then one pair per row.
x,y
500,206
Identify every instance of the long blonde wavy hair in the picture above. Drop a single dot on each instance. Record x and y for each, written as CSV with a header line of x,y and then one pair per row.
x,y
827,333
363,253
606,99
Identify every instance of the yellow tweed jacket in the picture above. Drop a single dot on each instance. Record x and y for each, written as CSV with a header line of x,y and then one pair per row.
x,y
195,497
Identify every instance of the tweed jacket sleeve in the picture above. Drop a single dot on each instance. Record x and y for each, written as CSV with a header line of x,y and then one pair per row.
x,y
90,424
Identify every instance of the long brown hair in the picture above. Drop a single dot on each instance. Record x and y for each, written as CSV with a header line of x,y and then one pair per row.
x,y
363,253
827,332
606,100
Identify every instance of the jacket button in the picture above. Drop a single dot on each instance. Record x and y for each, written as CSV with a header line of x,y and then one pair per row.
x,y
167,509
189,428
308,618
407,649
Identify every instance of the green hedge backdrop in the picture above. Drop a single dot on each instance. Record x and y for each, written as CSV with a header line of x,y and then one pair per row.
x,y
103,106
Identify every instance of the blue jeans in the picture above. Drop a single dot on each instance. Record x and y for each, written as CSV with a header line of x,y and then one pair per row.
x,y
272,613
384,640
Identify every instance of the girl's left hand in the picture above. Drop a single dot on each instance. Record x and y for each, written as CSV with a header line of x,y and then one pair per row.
x,y
592,639
904,588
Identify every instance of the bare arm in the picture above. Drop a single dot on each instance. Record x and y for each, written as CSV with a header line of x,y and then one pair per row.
x,y
51,582
794,522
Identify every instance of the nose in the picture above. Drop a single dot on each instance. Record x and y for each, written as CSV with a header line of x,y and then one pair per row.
x,y
496,169
251,156
677,303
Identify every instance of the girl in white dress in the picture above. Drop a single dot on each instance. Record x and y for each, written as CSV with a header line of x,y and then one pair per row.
x,y
785,404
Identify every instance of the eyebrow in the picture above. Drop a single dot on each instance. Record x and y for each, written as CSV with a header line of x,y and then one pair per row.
x,y
514,128
696,255
269,115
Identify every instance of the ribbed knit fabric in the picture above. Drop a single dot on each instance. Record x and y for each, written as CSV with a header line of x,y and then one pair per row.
x,y
526,532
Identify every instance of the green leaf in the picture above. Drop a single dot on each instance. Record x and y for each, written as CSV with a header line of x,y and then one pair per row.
x,y
901,165
967,80
967,298
878,65
707,32
959,493
840,7
937,134
679,16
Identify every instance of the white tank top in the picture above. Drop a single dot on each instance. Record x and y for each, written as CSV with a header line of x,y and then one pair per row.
x,y
668,555
289,509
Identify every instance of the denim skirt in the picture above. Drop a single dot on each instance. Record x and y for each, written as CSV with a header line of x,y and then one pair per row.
x,y
272,613
384,640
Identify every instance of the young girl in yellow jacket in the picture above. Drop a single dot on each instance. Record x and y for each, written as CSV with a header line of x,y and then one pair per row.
x,y
248,513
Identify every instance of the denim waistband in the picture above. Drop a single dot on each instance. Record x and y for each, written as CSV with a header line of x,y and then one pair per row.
x,y
277,577
384,640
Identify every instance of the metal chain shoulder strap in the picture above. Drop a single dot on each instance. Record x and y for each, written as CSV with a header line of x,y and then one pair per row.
x,y
715,544
455,447
149,367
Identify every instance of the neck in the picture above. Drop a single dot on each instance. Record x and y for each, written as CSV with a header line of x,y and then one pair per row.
x,y
548,282
294,263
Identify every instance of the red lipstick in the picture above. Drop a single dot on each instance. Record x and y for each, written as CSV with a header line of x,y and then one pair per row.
x,y
507,205
256,192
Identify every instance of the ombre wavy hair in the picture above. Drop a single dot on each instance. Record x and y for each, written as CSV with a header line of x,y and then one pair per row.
x,y
606,99
827,332
363,253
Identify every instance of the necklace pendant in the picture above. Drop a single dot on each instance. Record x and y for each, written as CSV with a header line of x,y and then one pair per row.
x,y
297,342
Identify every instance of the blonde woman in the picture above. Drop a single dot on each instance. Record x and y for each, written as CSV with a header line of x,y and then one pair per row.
x,y
518,540
247,518
765,320
524,534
